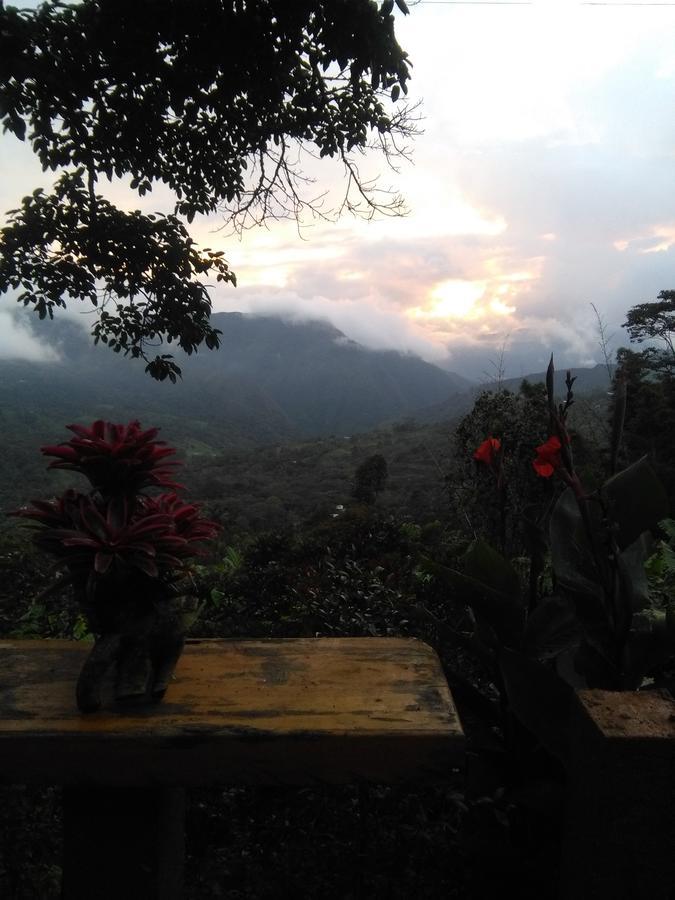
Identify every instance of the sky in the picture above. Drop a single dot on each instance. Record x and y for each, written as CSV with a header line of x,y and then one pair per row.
x,y
543,182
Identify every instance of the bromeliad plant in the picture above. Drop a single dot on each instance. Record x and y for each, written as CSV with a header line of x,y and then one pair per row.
x,y
597,624
126,553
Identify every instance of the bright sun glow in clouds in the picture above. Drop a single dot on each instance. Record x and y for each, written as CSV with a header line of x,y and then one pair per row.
x,y
452,299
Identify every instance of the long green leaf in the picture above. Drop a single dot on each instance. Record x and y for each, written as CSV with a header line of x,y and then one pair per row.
x,y
637,501
485,564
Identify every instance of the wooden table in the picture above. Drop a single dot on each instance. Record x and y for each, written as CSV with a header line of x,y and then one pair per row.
x,y
297,711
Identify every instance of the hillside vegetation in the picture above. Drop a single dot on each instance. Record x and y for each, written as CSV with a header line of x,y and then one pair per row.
x,y
272,426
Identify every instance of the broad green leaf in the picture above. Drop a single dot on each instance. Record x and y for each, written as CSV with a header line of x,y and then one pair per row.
x,y
632,574
592,662
551,628
636,500
571,553
485,564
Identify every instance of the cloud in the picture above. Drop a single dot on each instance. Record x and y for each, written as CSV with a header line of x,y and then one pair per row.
x,y
18,342
532,196
359,318
542,183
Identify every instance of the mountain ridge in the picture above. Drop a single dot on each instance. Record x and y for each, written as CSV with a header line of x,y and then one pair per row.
x,y
270,379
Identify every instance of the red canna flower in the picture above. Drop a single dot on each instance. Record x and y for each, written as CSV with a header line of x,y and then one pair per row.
x,y
548,457
487,451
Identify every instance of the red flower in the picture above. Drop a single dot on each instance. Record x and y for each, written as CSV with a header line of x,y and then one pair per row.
x,y
548,457
487,451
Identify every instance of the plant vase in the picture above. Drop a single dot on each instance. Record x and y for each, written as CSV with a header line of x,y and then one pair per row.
x,y
139,635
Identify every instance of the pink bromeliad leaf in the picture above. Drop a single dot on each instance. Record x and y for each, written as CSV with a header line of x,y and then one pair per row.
x,y
117,528
115,458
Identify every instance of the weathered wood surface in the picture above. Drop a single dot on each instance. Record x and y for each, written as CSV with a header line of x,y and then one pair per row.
x,y
620,830
279,711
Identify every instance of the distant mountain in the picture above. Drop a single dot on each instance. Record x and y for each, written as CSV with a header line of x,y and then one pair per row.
x,y
271,383
270,380
324,382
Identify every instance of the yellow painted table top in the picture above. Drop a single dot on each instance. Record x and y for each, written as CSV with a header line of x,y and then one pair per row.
x,y
241,711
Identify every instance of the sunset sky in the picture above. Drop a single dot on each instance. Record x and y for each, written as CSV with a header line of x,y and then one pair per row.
x,y
544,181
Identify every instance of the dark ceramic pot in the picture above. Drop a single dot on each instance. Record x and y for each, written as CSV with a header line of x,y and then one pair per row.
x,y
139,633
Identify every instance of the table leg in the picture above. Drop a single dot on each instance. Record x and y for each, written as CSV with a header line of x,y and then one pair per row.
x,y
122,843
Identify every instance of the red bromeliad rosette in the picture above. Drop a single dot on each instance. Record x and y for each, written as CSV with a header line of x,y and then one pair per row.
x,y
124,553
116,529
116,458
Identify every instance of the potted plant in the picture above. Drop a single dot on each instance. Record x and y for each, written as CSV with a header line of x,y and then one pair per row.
x,y
125,552
577,612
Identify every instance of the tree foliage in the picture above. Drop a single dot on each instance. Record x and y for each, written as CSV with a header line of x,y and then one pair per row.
x,y
216,101
148,263
649,425
370,478
654,322
646,379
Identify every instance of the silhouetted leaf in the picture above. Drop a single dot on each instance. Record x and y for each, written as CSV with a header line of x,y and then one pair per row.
x,y
636,501
571,553
490,587
540,699
592,661
553,626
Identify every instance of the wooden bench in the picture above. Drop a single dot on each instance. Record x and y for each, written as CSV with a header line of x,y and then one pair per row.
x,y
300,711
